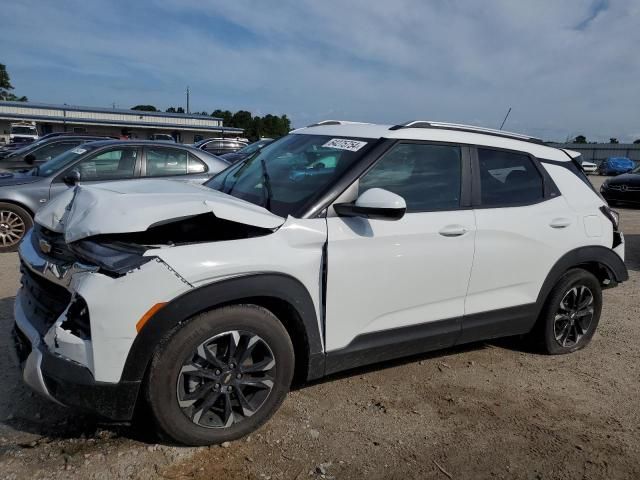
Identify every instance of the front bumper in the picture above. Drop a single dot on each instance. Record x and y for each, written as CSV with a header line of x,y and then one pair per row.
x,y
66,382
81,364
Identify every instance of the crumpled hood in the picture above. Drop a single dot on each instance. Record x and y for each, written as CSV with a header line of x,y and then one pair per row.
x,y
134,206
10,178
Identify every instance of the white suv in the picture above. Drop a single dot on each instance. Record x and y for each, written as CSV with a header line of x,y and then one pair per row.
x,y
338,245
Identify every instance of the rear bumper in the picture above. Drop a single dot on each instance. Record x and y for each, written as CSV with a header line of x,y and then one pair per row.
x,y
66,382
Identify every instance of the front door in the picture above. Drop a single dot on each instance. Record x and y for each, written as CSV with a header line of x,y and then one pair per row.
x,y
117,163
407,277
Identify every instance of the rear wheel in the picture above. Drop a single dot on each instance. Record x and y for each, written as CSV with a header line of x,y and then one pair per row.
x,y
220,376
14,223
572,312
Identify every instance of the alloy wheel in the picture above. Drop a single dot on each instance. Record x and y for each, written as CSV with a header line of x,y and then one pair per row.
x,y
574,316
226,379
12,228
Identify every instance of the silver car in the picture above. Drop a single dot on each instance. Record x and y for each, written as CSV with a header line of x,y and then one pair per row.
x,y
23,193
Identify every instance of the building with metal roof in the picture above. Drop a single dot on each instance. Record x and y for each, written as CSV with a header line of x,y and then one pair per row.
x,y
186,128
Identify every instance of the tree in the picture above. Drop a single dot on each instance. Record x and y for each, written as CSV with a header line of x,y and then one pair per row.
x,y
175,110
613,140
580,139
5,86
636,141
145,108
225,115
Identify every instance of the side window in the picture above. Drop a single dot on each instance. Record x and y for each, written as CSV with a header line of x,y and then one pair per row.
x,y
118,163
195,165
508,178
49,151
166,161
428,177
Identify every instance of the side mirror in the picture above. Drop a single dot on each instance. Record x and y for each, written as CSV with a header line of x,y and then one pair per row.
x,y
72,178
375,203
30,159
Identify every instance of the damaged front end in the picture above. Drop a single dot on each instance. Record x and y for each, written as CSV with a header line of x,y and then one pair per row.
x,y
91,270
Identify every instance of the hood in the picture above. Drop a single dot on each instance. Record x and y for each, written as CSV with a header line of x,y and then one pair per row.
x,y
625,179
134,206
16,178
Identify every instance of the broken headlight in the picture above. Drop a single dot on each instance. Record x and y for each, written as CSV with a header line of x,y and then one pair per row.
x,y
113,258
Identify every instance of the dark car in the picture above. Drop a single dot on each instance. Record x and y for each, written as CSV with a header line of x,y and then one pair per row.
x,y
220,146
616,166
622,188
42,150
22,193
244,152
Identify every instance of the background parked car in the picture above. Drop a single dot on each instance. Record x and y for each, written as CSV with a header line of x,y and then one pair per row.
x,y
43,150
23,193
162,137
220,146
616,166
622,188
589,167
244,152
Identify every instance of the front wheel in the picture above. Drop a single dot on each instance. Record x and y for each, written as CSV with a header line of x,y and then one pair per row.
x,y
572,312
221,375
14,223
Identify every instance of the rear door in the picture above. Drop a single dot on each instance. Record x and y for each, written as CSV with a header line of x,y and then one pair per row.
x,y
523,226
173,163
406,278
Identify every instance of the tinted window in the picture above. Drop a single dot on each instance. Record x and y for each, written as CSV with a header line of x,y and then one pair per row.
x,y
110,165
166,161
508,178
428,177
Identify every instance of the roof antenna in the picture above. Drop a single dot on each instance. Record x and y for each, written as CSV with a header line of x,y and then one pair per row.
x,y
505,118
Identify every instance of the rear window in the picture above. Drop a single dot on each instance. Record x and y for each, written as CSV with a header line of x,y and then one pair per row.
x,y
508,179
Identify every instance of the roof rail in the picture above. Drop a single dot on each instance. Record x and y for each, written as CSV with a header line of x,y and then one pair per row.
x,y
466,128
335,122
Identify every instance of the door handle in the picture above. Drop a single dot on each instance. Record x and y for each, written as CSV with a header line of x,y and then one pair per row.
x,y
560,223
453,231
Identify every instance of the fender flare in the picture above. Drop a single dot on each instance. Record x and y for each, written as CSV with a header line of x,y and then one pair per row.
x,y
271,285
603,256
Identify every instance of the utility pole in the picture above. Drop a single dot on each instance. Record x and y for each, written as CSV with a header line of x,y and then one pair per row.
x,y
187,98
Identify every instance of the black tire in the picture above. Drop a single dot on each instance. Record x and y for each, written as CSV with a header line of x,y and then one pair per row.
x,y
15,221
555,317
166,379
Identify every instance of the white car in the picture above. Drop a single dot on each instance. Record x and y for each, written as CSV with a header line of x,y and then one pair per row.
x,y
589,167
336,246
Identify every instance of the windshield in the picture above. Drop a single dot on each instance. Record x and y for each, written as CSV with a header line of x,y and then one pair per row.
x,y
289,173
30,146
56,164
24,130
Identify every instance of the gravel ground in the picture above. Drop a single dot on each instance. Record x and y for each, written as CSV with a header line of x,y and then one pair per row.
x,y
488,410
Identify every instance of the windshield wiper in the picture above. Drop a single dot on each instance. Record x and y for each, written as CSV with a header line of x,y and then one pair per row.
x,y
266,183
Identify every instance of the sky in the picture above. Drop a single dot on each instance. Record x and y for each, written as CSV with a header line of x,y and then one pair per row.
x,y
564,67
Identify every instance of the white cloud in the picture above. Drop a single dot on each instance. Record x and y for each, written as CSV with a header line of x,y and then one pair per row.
x,y
462,61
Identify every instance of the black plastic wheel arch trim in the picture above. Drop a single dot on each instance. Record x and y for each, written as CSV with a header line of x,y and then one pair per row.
x,y
234,290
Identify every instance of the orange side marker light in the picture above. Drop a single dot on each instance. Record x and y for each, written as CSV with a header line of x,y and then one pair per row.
x,y
150,313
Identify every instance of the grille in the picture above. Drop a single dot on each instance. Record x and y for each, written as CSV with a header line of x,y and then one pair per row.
x,y
42,301
624,188
58,247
